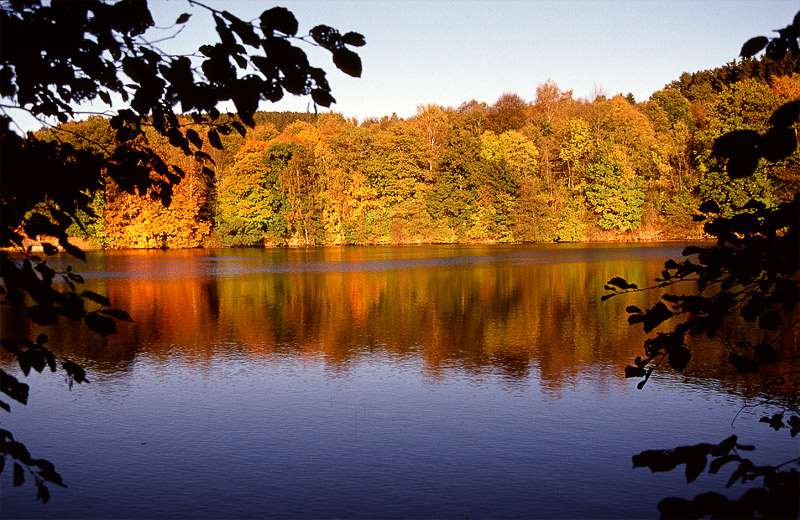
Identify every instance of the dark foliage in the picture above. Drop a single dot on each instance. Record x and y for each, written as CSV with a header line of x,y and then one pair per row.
x,y
57,56
751,273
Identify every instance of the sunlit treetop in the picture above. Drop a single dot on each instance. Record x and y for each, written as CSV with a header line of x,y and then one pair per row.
x,y
59,57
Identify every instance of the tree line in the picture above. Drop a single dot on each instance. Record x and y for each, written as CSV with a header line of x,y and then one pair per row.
x,y
555,169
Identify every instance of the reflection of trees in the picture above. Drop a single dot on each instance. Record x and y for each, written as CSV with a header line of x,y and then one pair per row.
x,y
504,316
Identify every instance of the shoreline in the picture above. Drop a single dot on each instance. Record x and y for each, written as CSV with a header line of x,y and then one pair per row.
x,y
37,247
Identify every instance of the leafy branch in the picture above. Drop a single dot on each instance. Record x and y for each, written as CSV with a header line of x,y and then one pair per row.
x,y
775,498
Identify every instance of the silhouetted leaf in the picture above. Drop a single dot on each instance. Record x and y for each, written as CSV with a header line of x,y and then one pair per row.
x,y
278,19
753,46
765,354
717,464
724,447
19,475
75,372
776,49
778,143
102,325
353,38
75,277
635,318
194,138
49,249
213,138
655,316
619,282
770,320
794,422
775,422
735,143
742,364
674,507
634,371
679,357
116,313
709,206
97,298
695,466
347,61
12,388
322,97
742,166
786,115
43,493
183,18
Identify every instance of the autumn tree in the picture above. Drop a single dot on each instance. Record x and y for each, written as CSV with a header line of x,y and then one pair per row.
x,y
59,56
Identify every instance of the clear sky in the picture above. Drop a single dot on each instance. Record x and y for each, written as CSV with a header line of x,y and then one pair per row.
x,y
448,52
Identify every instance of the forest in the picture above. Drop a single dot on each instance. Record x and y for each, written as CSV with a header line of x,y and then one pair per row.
x,y
555,169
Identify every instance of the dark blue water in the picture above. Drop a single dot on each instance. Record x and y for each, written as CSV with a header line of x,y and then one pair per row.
x,y
237,417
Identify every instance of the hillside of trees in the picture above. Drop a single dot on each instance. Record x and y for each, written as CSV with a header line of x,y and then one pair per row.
x,y
554,169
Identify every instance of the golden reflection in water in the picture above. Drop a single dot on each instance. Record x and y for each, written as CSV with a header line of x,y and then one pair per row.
x,y
524,310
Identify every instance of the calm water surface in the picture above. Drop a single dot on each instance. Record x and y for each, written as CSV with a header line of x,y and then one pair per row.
x,y
392,382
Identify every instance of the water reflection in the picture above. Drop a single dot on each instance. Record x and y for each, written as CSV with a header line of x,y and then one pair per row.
x,y
512,310
403,382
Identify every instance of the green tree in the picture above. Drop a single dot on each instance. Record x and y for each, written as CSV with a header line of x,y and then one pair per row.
x,y
616,193
248,202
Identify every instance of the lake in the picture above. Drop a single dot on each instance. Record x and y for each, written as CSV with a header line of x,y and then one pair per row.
x,y
363,382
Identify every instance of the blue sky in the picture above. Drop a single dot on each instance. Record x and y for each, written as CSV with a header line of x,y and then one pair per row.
x,y
448,52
